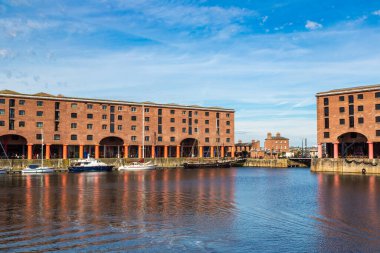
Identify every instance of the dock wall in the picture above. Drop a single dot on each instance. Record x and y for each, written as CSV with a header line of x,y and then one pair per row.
x,y
356,166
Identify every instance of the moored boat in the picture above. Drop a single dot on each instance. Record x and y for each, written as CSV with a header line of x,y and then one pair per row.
x,y
35,168
238,162
89,165
137,166
212,164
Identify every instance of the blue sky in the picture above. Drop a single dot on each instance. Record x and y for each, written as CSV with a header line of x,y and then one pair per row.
x,y
266,59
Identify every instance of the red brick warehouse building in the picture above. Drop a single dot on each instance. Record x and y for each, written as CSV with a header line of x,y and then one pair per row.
x,y
76,127
349,122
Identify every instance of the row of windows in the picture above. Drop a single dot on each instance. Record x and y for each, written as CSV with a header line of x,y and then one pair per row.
x,y
350,98
20,102
74,137
326,135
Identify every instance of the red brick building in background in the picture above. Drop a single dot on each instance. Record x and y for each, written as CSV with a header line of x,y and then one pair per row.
x,y
276,144
349,122
77,127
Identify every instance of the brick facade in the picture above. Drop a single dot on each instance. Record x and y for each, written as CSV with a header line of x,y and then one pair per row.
x,y
276,144
86,124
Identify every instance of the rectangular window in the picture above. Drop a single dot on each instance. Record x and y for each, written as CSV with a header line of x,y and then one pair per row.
x,y
342,121
377,95
377,132
57,104
119,117
352,121
133,118
228,140
228,131
146,109
74,115
146,138
207,139
360,108
227,115
207,122
104,127
40,103
89,106
90,116
341,98
377,119
119,127
104,107
74,137
207,114
326,111
21,112
326,101
172,129
147,119
133,128
360,120
195,130
119,108
21,102
172,120
351,99
89,126
133,138
327,123
133,109
146,128
184,121
2,112
184,130
2,101
57,137
228,123
351,109
21,124
183,112
39,136
159,111
377,106
2,123
172,139
172,111
160,129
39,124
74,105
90,137
40,113
56,126
326,135
104,116
341,109
112,109
73,125
159,139
207,130
159,120
360,96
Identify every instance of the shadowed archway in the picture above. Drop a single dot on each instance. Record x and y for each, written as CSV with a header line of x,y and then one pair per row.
x,y
111,147
13,146
189,147
353,144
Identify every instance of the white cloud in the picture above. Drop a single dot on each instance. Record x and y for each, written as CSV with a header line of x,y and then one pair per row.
x,y
4,53
376,13
311,25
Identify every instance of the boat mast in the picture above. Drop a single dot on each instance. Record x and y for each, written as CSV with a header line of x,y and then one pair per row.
x,y
42,148
143,131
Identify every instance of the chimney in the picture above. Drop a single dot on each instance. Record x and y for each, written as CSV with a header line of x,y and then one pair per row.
x,y
278,135
269,136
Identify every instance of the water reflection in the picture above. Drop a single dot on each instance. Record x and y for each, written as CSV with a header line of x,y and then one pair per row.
x,y
73,210
349,207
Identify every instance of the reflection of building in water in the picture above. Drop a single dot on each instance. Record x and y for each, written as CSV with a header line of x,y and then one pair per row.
x,y
350,209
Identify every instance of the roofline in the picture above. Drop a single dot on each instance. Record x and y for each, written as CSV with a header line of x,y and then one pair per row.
x,y
348,90
116,102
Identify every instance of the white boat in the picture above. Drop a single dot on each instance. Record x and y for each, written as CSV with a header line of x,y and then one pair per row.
x,y
3,171
139,165
89,165
35,168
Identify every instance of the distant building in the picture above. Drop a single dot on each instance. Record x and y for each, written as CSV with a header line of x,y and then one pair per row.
x,y
252,149
276,144
349,122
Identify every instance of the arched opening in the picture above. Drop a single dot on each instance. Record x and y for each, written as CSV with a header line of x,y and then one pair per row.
x,y
353,145
111,147
189,147
13,146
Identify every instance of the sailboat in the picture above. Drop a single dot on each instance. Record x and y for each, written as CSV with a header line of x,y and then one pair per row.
x,y
4,170
140,165
35,168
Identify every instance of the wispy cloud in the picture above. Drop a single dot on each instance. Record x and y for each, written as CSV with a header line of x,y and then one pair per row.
x,y
312,25
376,13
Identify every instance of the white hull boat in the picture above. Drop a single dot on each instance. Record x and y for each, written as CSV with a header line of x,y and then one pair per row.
x,y
3,171
137,166
36,169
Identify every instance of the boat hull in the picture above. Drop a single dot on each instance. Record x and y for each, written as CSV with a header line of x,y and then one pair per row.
x,y
91,168
37,171
136,168
207,165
